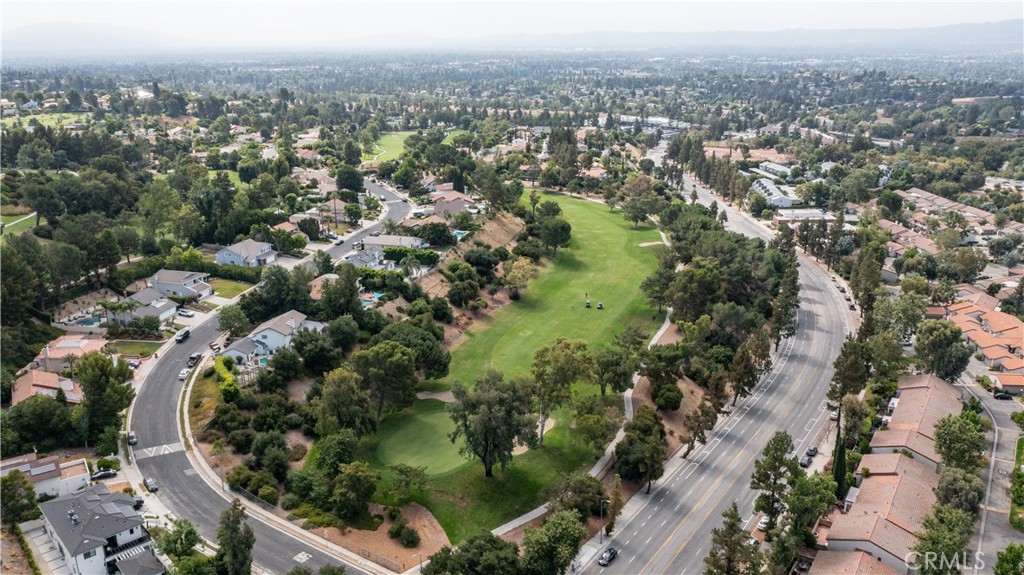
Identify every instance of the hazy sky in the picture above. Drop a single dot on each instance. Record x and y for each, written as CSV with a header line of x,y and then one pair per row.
x,y
310,23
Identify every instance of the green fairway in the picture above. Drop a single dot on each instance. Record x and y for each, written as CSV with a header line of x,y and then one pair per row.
x,y
604,263
228,288
451,136
12,229
56,119
420,440
388,147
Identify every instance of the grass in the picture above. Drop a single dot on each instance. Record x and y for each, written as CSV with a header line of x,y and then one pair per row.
x,y
13,218
140,348
419,439
55,119
1017,511
388,147
233,176
228,288
11,230
553,303
203,398
451,136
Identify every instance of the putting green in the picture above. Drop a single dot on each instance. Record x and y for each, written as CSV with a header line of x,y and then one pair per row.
x,y
420,440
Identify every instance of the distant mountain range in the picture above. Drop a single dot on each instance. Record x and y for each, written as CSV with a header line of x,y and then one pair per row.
x,y
71,42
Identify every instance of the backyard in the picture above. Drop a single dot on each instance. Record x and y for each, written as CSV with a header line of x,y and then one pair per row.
x,y
459,496
389,147
139,348
228,288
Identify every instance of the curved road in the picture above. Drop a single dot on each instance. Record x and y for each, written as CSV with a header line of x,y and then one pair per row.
x,y
670,531
160,454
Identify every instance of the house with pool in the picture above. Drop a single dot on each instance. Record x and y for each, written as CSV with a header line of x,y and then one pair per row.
x,y
270,336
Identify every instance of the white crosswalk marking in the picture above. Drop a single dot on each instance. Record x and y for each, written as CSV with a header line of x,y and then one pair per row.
x,y
302,557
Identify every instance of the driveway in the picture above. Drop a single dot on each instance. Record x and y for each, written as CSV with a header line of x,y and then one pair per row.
x,y
44,548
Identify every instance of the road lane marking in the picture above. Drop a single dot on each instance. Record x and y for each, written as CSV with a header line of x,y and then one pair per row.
x,y
158,450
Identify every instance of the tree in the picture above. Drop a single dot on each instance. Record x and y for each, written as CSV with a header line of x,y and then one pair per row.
x,y
615,504
482,554
941,544
696,289
641,453
742,373
773,476
431,357
46,202
555,368
388,371
518,274
407,481
353,213
181,540
550,548
555,232
614,367
1010,561
235,538
106,389
578,491
534,200
128,241
316,350
849,378
353,487
343,404
233,320
335,449
730,553
637,208
960,441
941,349
17,498
809,498
349,178
492,419
960,489
698,423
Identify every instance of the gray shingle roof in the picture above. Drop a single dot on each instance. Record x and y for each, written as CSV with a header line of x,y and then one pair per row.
x,y
101,514
177,277
249,248
144,563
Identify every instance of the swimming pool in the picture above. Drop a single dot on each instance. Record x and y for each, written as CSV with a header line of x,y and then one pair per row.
x,y
459,234
91,320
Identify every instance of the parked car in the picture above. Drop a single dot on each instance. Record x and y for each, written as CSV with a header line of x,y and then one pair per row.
x,y
193,359
805,461
375,233
185,312
339,242
763,523
853,307
608,556
134,363
847,298
150,484
104,474
842,289
183,374
834,416
132,439
1002,395
812,451
906,342
138,502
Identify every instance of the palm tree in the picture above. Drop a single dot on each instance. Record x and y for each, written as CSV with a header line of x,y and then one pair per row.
x,y
70,359
409,265
392,227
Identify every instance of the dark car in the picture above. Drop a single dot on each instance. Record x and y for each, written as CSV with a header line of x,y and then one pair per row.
x,y
1002,395
805,461
608,556
150,484
193,359
811,451
138,502
853,307
104,474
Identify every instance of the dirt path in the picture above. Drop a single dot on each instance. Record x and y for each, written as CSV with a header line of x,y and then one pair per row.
x,y
13,559
445,396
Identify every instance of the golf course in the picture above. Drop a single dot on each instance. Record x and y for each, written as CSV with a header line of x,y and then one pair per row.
x,y
605,263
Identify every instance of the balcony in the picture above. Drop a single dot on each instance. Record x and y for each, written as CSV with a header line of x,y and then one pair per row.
x,y
133,547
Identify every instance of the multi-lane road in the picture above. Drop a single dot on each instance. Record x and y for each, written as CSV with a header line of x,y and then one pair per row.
x,y
161,455
670,532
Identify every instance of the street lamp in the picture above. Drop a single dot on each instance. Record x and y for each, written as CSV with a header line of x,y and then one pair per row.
x,y
421,561
600,521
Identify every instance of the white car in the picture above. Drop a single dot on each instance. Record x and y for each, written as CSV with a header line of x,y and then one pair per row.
x,y
184,312
763,523
183,374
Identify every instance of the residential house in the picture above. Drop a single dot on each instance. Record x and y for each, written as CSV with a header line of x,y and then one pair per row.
x,y
278,332
316,286
370,257
794,216
310,214
776,197
291,229
242,351
920,402
151,303
848,563
323,182
37,382
888,510
248,253
1012,383
48,475
416,223
386,241
775,169
99,532
997,336
448,208
428,182
334,211
310,155
53,356
181,283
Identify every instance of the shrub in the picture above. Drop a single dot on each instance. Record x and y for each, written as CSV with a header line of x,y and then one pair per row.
x,y
239,477
290,501
208,372
293,420
393,512
241,440
409,537
108,464
395,531
226,382
259,480
268,494
297,452
667,397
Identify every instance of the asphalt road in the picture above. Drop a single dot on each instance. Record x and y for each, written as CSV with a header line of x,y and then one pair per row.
x,y
671,532
160,454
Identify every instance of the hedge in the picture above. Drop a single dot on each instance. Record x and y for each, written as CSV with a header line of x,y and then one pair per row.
x,y
146,267
398,253
226,382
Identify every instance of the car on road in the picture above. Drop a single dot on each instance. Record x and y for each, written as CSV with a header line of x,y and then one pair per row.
x,y
132,439
847,298
193,359
1002,395
763,523
339,242
805,461
608,556
842,289
103,474
375,233
185,312
811,451
150,484
853,307
183,374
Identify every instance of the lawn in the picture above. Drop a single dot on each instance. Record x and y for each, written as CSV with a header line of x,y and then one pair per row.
x,y
57,119
553,303
419,439
233,176
140,348
451,136
10,230
228,288
388,147
13,218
